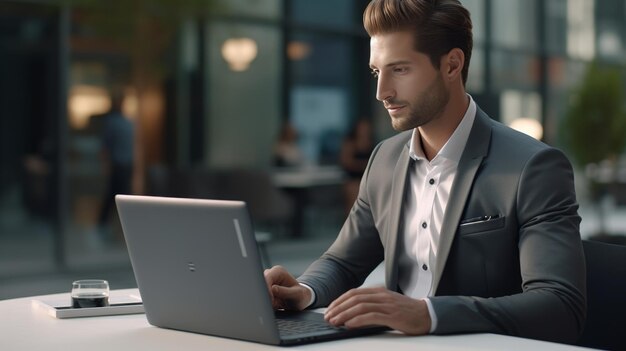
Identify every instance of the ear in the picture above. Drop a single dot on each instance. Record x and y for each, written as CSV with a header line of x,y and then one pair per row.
x,y
452,64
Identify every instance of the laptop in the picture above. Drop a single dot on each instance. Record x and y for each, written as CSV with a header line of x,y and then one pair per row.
x,y
198,269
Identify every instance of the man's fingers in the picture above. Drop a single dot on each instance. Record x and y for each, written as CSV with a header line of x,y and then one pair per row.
x,y
354,292
356,309
274,275
279,296
290,298
353,298
376,307
281,292
278,275
367,320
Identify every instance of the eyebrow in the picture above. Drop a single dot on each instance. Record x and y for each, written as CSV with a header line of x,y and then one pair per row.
x,y
394,63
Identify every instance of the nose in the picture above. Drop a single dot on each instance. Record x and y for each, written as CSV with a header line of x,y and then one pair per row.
x,y
384,90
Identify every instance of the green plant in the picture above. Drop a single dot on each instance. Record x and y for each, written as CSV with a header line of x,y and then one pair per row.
x,y
595,128
595,125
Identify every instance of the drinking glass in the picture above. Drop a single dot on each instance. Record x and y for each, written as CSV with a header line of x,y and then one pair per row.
x,y
90,293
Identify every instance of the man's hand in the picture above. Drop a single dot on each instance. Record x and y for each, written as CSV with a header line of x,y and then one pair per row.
x,y
285,291
379,306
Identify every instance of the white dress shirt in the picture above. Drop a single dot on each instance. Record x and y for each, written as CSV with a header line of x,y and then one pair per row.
x,y
428,191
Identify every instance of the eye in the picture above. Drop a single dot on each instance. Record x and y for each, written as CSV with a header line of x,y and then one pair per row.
x,y
400,69
374,73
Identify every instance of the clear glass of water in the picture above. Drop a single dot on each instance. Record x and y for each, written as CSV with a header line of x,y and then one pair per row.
x,y
90,293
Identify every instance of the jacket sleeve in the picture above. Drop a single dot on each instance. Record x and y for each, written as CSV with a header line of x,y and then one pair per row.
x,y
354,254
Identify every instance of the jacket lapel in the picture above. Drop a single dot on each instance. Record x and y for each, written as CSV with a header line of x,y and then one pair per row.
x,y
475,150
393,230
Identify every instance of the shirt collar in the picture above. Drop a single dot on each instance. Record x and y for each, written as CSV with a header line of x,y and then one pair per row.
x,y
453,148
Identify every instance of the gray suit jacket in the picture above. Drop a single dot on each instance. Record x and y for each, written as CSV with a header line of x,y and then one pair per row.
x,y
521,274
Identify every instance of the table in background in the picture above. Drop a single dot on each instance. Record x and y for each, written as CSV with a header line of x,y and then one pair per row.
x,y
299,181
24,328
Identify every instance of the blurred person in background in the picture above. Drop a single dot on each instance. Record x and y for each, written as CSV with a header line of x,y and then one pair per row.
x,y
355,152
477,224
287,153
117,139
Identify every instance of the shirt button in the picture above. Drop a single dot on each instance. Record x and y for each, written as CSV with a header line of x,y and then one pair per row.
x,y
424,225
425,267
431,181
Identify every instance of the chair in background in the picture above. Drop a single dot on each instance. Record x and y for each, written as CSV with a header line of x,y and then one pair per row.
x,y
196,183
606,296
270,208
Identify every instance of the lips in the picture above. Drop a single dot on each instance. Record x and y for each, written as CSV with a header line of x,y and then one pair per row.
x,y
393,109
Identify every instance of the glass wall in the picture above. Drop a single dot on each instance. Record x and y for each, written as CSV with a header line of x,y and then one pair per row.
x,y
476,77
570,46
29,137
243,106
321,94
345,15
210,87
326,63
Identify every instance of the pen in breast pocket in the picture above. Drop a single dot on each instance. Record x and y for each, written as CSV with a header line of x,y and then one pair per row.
x,y
479,219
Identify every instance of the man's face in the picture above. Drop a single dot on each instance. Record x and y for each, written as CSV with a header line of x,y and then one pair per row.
x,y
410,87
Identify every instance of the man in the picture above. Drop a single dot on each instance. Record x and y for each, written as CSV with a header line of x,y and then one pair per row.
x,y
477,223
117,135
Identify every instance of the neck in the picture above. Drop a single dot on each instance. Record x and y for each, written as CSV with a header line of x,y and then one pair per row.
x,y
436,133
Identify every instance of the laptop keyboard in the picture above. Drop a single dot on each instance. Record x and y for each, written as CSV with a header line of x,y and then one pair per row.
x,y
293,327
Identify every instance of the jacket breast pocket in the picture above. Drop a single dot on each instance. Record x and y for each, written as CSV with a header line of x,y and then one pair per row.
x,y
482,226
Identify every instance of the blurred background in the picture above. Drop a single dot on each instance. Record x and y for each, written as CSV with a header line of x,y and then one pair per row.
x,y
267,101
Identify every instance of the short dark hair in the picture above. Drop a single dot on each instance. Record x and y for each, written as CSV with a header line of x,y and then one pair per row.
x,y
438,25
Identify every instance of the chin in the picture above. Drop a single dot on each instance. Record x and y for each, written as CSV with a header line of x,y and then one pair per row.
x,y
400,124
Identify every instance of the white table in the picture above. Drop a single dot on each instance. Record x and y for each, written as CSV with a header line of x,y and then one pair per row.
x,y
24,328
308,176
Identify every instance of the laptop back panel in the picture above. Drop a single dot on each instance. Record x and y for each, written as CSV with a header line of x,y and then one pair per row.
x,y
197,266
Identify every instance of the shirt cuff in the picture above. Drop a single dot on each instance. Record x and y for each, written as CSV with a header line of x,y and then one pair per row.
x,y
433,316
312,294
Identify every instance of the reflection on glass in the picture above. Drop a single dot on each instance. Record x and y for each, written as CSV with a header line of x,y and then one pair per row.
x,y
476,9
243,107
298,50
563,75
320,114
28,139
321,83
85,101
476,75
328,13
609,43
581,29
515,104
555,23
239,52
270,9
512,69
517,31
528,126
